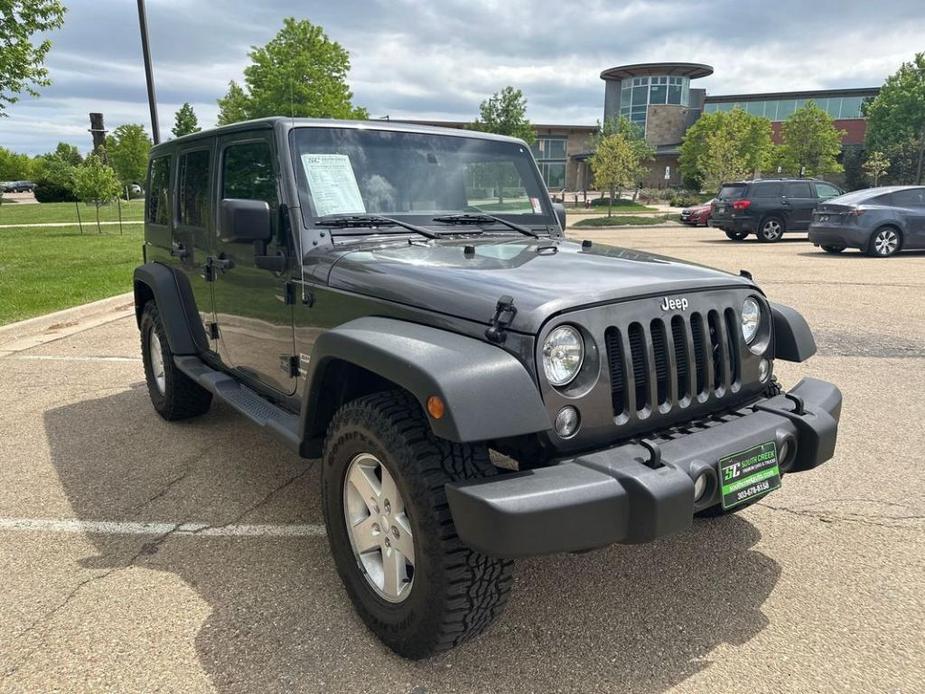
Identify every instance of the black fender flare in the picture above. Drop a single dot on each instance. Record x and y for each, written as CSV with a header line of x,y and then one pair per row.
x,y
793,339
173,295
488,394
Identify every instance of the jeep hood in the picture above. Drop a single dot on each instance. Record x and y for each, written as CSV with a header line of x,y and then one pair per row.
x,y
544,277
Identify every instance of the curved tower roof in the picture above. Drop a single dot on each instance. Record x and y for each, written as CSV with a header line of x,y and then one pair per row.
x,y
689,70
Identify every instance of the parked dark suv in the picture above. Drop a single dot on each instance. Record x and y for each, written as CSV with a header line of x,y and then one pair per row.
x,y
769,207
400,302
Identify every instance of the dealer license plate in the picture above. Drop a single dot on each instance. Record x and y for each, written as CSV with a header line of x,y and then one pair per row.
x,y
749,474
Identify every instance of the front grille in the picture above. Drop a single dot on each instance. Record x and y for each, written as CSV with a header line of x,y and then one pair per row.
x,y
663,365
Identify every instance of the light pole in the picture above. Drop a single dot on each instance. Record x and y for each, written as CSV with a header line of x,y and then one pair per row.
x,y
149,75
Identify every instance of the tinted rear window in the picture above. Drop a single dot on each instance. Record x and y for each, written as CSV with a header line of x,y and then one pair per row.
x,y
731,192
766,190
914,197
159,191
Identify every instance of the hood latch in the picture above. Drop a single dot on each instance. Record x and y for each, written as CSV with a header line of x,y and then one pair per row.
x,y
504,316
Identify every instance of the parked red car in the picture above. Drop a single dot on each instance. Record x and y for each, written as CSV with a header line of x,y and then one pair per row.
x,y
696,216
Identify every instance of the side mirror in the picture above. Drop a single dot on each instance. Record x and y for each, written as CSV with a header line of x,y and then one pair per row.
x,y
245,221
559,209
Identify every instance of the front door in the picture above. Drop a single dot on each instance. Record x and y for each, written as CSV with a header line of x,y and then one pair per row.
x,y
254,319
799,201
910,206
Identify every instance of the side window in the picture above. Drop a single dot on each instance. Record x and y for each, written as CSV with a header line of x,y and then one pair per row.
x,y
247,173
193,188
825,191
798,190
766,190
159,191
914,197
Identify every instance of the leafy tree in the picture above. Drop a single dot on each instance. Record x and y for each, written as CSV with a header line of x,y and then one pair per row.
x,y
15,167
810,143
505,113
896,121
875,166
618,163
127,148
22,62
96,182
634,134
54,174
723,146
300,72
185,121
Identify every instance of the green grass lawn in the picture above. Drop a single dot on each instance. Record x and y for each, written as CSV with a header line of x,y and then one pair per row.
x,y
622,220
56,212
44,270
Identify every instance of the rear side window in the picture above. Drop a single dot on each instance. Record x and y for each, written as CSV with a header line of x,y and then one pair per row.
x,y
247,173
766,190
908,198
159,191
826,191
193,188
798,190
732,192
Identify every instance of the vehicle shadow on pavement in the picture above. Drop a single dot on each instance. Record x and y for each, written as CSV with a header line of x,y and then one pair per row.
x,y
629,618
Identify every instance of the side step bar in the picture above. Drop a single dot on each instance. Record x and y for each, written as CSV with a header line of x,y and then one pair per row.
x,y
241,398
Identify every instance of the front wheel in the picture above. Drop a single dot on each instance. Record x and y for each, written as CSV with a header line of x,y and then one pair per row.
x,y
771,230
736,235
410,578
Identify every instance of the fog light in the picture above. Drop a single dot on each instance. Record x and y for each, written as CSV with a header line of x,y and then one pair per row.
x,y
567,422
700,486
764,370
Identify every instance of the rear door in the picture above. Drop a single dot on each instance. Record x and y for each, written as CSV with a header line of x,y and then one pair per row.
x,y
799,201
252,311
910,207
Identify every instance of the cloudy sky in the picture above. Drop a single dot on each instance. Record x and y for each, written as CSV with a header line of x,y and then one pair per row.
x,y
440,58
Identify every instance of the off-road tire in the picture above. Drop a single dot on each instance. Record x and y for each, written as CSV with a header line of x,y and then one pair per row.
x,y
765,229
834,250
456,592
182,398
736,235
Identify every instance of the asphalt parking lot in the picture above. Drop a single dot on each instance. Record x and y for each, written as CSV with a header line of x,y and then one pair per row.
x,y
139,555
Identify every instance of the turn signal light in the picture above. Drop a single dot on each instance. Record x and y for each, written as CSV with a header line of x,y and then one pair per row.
x,y
435,407
741,204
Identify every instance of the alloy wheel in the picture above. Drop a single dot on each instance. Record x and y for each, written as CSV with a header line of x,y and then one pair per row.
x,y
157,361
379,528
886,242
771,230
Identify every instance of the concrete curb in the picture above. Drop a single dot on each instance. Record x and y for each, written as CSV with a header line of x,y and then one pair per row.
x,y
16,337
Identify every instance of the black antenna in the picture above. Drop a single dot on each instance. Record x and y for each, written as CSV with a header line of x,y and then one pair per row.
x,y
149,75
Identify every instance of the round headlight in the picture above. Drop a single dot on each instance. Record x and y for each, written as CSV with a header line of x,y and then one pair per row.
x,y
563,354
751,320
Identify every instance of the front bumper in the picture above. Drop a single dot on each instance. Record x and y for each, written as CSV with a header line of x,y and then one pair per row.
x,y
637,492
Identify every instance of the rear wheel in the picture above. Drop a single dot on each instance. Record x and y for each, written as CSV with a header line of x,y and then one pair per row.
x,y
771,229
173,394
885,242
736,235
833,249
413,582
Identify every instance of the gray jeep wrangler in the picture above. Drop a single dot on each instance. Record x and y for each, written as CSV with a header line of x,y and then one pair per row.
x,y
400,302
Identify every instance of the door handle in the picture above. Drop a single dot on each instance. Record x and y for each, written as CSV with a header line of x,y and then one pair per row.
x,y
178,250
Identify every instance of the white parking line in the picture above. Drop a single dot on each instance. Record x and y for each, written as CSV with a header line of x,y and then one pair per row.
x,y
54,357
69,525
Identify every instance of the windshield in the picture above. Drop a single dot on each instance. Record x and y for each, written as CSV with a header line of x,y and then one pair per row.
x,y
348,171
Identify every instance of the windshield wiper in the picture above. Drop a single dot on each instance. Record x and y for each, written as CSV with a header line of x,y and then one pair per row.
x,y
481,218
370,220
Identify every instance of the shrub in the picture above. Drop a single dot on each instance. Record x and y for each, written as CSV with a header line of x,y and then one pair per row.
x,y
46,191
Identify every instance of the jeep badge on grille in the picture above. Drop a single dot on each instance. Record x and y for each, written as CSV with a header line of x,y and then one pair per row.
x,y
674,304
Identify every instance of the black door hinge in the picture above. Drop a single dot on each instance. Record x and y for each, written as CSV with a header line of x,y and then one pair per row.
x,y
504,315
213,331
214,267
290,364
289,294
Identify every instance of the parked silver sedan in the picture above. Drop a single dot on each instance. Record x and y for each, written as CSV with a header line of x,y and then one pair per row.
x,y
878,221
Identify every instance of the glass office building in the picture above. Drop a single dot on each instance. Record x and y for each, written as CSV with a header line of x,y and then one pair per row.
x,y
638,93
839,104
